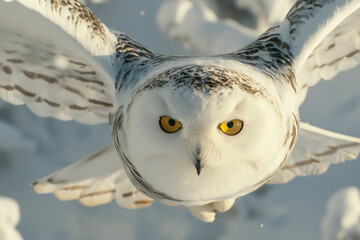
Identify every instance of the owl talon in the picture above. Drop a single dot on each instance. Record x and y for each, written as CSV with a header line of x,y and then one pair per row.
x,y
204,212
224,206
209,212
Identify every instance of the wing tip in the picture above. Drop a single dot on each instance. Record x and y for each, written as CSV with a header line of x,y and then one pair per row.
x,y
43,188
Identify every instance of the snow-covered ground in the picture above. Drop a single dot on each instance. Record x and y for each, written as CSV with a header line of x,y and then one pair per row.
x,y
40,146
207,25
343,213
9,218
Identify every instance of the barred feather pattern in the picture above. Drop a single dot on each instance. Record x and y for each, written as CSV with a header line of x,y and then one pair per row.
x,y
94,180
315,151
302,11
272,56
51,81
74,17
339,51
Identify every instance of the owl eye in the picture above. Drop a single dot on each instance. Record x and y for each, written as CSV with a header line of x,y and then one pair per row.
x,y
232,127
169,125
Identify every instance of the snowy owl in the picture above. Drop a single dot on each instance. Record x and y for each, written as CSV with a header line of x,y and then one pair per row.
x,y
193,131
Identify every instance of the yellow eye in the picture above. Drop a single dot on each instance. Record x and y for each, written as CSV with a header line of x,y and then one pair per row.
x,y
169,125
232,127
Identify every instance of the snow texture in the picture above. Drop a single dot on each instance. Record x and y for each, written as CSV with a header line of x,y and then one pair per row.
x,y
269,12
9,218
342,219
291,211
197,26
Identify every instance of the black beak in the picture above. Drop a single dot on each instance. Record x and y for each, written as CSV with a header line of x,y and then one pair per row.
x,y
197,162
198,166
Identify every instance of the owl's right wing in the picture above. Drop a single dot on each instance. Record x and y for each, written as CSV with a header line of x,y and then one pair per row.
x,y
60,59
315,150
94,180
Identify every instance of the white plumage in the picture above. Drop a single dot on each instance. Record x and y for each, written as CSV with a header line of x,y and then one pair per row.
x,y
194,131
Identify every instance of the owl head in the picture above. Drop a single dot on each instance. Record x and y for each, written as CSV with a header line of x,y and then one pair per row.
x,y
202,132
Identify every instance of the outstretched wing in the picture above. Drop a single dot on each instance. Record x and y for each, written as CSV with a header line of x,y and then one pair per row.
x,y
325,40
314,152
310,23
62,63
48,70
285,48
94,180
297,44
339,51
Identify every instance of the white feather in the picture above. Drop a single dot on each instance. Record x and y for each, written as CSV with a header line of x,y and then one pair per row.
x,y
49,71
78,21
94,180
310,32
315,150
339,51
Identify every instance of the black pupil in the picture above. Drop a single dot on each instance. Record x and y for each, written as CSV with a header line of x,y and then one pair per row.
x,y
230,124
172,122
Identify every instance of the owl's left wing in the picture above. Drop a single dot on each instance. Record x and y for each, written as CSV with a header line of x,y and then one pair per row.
x,y
311,24
315,150
339,51
318,38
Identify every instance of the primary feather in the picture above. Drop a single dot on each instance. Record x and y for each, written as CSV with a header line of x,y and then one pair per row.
x,y
315,150
49,71
94,180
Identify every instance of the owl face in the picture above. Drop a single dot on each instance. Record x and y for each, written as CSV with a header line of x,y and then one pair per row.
x,y
202,142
